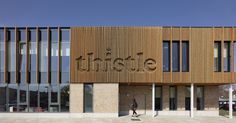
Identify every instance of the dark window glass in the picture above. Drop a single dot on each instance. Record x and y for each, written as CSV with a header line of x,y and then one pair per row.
x,y
3,97
88,97
173,100
54,56
43,92
187,98
34,98
217,56
200,98
226,56
12,102
185,56
158,98
22,55
166,56
43,56
32,55
65,90
175,56
2,52
54,95
23,98
11,56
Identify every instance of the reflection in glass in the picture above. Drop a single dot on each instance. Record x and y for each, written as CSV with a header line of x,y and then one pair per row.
x,y
3,97
173,100
200,98
226,56
11,50
187,98
65,95
166,56
33,98
12,102
32,55
43,92
88,97
23,98
158,98
22,55
65,61
175,56
217,56
43,52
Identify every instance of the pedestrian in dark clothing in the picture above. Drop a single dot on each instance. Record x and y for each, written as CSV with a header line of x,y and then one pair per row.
x,y
134,106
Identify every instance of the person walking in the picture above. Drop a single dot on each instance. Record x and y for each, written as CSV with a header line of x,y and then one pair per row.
x,y
134,107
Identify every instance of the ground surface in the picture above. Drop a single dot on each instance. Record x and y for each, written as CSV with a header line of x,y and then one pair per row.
x,y
124,119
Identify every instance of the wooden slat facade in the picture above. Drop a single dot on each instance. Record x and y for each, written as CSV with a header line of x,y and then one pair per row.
x,y
123,42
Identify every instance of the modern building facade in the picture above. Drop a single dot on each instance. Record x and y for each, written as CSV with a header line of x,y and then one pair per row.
x,y
97,71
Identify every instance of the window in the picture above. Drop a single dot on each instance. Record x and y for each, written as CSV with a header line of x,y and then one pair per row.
x,y
12,99
43,94
11,50
34,98
3,97
88,97
175,56
43,58
23,98
32,55
158,98
200,98
22,55
226,56
65,56
2,52
185,56
173,100
217,56
54,55
166,56
187,97
65,96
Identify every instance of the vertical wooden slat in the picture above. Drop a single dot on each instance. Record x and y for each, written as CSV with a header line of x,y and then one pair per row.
x,y
171,76
190,54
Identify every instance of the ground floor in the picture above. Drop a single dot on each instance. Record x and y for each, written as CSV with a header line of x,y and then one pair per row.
x,y
63,118
115,99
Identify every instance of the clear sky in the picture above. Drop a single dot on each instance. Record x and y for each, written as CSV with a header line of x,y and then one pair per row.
x,y
118,13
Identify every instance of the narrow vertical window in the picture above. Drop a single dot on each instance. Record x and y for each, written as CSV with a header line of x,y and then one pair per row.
x,y
226,56
166,56
22,54
12,98
173,100
200,98
11,55
217,56
3,97
65,97
2,52
175,56
43,58
32,55
54,55
158,98
88,97
185,56
187,98
34,98
54,98
65,55
43,97
23,97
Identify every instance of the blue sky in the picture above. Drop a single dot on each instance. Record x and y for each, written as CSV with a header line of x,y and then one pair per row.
x,y
118,13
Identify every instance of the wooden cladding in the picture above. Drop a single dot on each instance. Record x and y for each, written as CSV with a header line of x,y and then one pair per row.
x,y
98,52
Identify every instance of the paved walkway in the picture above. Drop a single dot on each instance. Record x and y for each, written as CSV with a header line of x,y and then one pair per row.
x,y
124,119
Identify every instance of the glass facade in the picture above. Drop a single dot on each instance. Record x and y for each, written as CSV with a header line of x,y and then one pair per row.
x,y
88,97
227,56
175,56
217,56
166,56
35,95
187,97
200,98
158,98
173,98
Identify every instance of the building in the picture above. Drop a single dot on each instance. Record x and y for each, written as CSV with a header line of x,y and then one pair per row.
x,y
97,71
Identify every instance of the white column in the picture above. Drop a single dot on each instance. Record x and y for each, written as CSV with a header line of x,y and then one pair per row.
x,y
153,100
192,100
230,101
